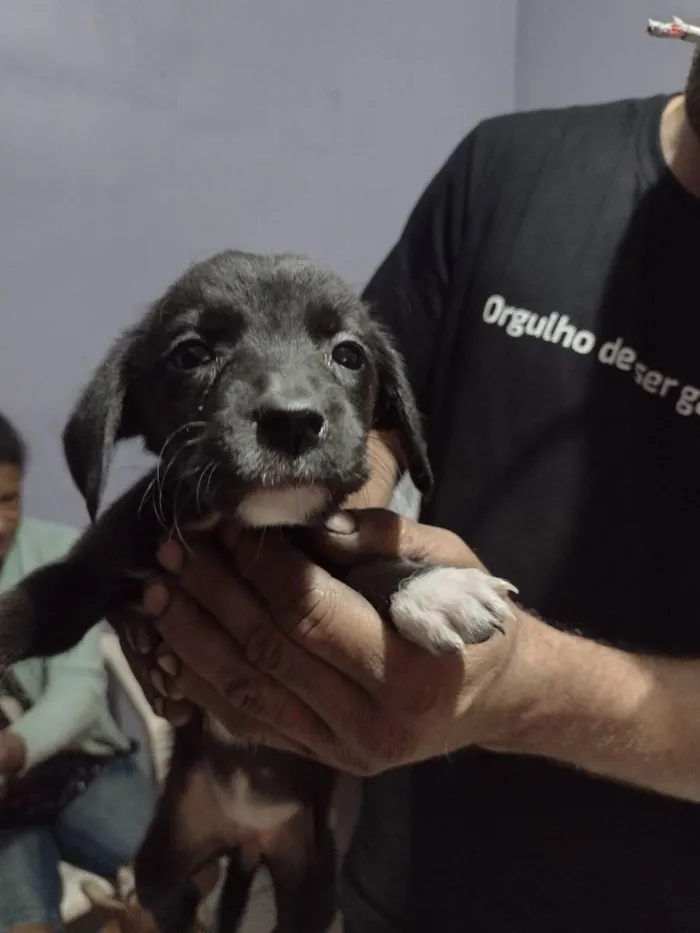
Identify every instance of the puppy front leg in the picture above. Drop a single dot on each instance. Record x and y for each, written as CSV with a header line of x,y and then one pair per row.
x,y
51,609
47,613
439,607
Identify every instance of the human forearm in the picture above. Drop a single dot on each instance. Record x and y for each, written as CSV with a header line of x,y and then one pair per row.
x,y
55,722
626,717
76,684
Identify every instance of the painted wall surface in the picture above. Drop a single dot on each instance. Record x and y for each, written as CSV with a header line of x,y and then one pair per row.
x,y
138,137
585,51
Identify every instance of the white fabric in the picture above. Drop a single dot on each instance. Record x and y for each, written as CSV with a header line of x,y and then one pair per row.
x,y
159,740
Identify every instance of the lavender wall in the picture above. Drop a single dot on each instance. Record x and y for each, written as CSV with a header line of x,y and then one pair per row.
x,y
137,137
584,51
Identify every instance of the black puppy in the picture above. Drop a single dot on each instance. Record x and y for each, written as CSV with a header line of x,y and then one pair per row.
x,y
256,380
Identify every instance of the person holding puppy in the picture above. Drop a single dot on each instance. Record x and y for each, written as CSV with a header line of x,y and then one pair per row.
x,y
69,787
548,780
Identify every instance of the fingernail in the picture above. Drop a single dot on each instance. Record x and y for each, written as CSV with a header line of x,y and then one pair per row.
x,y
156,597
174,692
341,523
139,638
158,681
178,717
240,696
170,664
170,556
165,687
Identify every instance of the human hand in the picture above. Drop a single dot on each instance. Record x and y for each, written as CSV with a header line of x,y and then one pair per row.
x,y
146,653
13,752
281,653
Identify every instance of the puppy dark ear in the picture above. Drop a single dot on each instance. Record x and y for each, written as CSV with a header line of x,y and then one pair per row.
x,y
100,419
396,410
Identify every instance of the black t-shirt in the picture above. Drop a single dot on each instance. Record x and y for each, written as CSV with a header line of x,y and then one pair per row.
x,y
546,296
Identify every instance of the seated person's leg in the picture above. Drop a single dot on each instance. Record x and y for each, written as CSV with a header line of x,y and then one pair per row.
x,y
103,828
30,885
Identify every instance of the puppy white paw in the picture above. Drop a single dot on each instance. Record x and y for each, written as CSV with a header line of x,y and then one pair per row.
x,y
445,608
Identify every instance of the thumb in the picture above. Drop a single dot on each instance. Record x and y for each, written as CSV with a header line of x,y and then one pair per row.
x,y
363,534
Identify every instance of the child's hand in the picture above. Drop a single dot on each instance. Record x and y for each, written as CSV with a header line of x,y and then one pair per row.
x,y
13,753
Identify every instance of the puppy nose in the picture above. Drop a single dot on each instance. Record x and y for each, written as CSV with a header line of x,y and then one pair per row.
x,y
289,429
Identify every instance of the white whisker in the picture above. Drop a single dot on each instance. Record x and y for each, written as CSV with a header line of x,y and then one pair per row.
x,y
160,477
208,469
148,490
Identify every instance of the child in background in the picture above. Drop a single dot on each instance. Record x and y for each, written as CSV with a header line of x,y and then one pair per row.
x,y
69,786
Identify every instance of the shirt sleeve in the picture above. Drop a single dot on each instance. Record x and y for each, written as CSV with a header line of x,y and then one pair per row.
x,y
411,291
76,683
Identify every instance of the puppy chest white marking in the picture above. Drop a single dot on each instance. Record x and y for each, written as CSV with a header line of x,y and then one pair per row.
x,y
248,809
294,505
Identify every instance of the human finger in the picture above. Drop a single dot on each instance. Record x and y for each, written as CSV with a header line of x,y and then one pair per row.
x,y
336,623
369,533
226,721
142,647
332,677
207,649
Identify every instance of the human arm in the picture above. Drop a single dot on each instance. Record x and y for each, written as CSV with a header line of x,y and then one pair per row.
x,y
76,681
628,717
316,671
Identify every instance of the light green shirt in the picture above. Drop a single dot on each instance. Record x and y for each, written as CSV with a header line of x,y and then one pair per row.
x,y
69,692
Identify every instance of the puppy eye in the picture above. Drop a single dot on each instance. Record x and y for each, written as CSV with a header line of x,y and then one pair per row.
x,y
349,354
189,355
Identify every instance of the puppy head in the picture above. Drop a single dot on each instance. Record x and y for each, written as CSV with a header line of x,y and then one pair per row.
x,y
256,380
